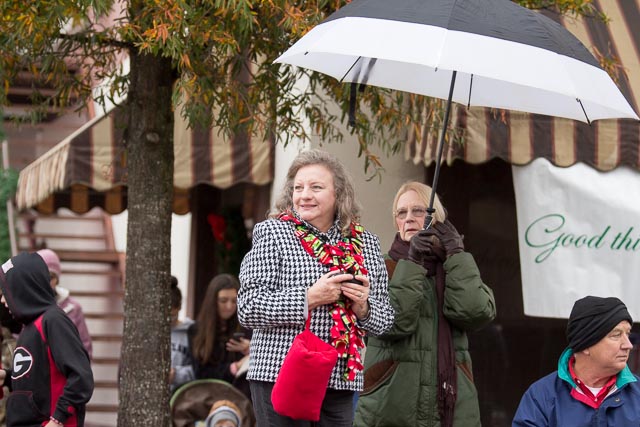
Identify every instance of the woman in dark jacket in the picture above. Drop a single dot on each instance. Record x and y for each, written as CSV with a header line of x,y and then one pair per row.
x,y
218,344
419,372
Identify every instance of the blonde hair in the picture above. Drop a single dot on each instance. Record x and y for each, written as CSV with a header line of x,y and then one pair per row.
x,y
424,193
347,207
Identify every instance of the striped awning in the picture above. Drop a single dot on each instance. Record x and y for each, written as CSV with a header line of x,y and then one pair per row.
x,y
483,133
89,169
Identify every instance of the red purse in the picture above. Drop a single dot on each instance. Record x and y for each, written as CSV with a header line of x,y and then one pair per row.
x,y
304,375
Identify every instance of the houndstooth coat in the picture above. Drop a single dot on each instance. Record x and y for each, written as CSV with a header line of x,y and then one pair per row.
x,y
274,279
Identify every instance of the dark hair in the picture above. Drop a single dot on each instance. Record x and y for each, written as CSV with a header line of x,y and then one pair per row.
x,y
176,293
208,323
347,207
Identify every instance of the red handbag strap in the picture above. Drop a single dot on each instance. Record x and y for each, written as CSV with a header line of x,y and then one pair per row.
x,y
307,324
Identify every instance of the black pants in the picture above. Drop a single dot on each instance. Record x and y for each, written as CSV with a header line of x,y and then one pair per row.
x,y
337,408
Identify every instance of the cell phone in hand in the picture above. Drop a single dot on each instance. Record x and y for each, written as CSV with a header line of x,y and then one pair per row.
x,y
356,281
238,336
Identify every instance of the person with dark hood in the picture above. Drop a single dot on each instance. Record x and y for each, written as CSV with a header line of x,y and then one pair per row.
x,y
418,374
593,384
51,380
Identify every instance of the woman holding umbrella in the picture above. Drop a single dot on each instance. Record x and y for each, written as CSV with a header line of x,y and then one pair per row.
x,y
419,372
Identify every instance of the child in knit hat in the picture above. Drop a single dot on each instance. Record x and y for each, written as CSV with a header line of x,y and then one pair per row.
x,y
224,413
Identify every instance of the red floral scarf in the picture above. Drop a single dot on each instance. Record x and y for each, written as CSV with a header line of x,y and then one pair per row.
x,y
345,256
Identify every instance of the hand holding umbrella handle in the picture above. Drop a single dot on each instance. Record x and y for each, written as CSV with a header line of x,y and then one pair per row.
x,y
420,246
449,237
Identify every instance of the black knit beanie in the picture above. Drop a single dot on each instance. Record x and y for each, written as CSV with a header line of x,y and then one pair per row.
x,y
592,318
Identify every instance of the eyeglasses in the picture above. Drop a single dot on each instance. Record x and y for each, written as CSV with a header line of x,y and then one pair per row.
x,y
416,212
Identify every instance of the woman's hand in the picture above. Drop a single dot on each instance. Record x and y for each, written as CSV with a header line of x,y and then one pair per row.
x,y
358,293
239,345
235,366
327,289
421,246
449,236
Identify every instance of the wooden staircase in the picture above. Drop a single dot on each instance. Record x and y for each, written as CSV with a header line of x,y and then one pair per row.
x,y
92,270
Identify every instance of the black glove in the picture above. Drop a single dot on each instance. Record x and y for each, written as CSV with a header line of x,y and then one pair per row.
x,y
449,237
420,246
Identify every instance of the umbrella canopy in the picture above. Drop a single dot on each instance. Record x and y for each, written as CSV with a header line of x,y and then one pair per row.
x,y
488,53
504,55
518,138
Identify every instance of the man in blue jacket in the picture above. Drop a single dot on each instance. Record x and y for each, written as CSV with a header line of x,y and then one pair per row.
x,y
593,385
51,380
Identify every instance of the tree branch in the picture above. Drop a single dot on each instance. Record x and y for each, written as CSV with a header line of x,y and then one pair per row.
x,y
89,38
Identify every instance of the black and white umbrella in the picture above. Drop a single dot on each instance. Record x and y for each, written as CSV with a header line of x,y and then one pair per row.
x,y
489,53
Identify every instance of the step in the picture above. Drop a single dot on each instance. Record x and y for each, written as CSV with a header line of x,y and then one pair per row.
x,y
105,384
100,407
118,316
89,256
107,338
107,349
98,294
105,360
110,273
60,236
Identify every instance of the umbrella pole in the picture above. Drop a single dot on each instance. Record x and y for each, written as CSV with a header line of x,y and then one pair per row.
x,y
430,210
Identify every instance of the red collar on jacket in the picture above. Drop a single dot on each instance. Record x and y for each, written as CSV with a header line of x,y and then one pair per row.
x,y
587,396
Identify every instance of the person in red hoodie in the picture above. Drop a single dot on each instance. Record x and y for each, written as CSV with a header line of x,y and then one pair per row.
x,y
51,380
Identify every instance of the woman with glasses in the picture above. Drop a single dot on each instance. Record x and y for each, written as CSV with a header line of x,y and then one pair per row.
x,y
419,372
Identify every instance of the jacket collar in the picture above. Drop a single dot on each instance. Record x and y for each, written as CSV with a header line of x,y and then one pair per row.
x,y
332,233
623,378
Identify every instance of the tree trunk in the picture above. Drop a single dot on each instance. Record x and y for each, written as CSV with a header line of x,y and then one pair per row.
x,y
145,358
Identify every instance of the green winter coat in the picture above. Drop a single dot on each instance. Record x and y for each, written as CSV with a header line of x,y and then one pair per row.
x,y
407,397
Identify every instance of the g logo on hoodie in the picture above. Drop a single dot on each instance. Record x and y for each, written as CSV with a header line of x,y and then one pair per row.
x,y
22,362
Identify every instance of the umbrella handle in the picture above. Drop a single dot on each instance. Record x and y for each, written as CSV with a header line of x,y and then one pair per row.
x,y
430,210
352,104
428,220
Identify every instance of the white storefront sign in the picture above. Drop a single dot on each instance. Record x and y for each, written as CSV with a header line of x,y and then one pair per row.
x,y
579,234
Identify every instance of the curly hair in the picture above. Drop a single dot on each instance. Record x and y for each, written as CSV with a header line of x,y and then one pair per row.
x,y
347,207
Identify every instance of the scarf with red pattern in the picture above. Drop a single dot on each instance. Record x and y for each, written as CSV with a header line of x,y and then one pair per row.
x,y
344,256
